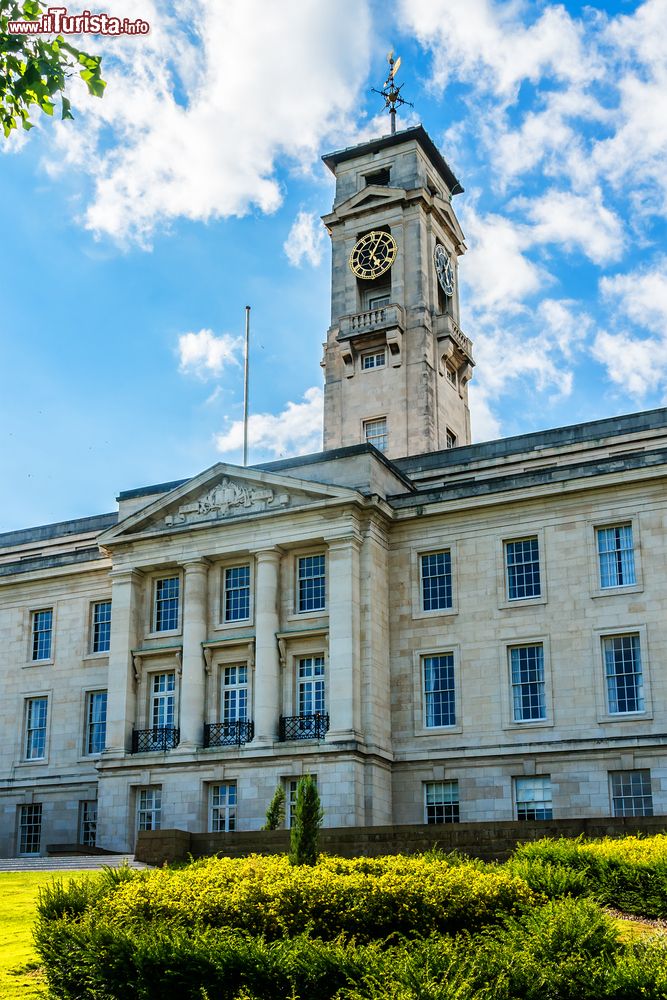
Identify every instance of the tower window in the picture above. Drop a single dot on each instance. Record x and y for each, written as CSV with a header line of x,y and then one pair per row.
x,y
375,433
451,439
450,372
380,177
373,359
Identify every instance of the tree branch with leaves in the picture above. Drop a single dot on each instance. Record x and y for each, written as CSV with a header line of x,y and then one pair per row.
x,y
35,69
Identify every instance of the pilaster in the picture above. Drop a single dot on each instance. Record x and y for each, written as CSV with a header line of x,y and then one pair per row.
x,y
121,698
344,639
193,677
267,659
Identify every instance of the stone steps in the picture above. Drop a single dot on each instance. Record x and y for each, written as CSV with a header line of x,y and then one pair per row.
x,y
71,862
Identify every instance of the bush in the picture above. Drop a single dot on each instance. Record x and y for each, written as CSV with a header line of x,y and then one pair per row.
x,y
308,816
275,814
368,898
629,873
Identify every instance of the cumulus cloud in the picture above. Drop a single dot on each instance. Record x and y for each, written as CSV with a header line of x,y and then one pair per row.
x,y
198,112
205,355
305,240
636,362
297,430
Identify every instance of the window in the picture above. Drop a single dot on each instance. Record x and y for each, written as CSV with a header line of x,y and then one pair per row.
x,y
96,722
163,699
616,556
533,798
88,822
30,828
439,693
379,177
527,676
441,801
436,581
623,671
378,301
373,359
631,793
450,372
101,627
222,807
450,439
237,594
35,728
42,631
149,808
311,685
522,561
165,604
311,584
235,694
375,433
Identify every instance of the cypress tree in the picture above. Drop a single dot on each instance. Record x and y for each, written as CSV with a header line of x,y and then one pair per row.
x,y
308,816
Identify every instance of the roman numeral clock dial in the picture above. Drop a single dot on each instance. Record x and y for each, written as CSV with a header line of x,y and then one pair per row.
x,y
373,255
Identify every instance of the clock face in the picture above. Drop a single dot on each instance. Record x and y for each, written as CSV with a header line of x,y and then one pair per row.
x,y
444,269
373,255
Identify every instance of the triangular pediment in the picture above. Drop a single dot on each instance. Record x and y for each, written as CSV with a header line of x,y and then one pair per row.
x,y
374,194
224,493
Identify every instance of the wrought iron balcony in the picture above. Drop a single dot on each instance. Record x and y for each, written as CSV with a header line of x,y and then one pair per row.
x,y
228,734
304,727
158,738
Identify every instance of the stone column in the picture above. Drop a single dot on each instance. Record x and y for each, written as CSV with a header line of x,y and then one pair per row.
x,y
267,661
121,698
344,639
193,676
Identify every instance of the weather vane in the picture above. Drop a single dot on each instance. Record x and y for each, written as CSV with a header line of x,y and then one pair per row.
x,y
390,92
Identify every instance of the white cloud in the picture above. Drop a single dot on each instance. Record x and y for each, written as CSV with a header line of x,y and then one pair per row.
x,y
297,430
489,44
205,355
496,272
641,295
305,240
638,364
197,113
561,217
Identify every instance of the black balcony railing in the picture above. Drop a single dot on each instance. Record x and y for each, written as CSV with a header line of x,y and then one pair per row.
x,y
304,727
228,734
158,738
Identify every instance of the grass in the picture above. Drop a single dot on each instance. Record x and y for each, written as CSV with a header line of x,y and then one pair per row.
x,y
20,974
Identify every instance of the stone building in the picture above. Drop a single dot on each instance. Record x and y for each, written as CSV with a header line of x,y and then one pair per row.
x,y
438,631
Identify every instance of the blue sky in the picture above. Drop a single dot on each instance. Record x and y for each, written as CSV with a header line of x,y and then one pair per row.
x,y
135,235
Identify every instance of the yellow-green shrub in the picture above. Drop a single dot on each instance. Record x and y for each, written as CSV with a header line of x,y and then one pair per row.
x,y
369,899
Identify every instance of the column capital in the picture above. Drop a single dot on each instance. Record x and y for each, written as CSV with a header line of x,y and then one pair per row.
x,y
352,539
200,564
123,574
271,554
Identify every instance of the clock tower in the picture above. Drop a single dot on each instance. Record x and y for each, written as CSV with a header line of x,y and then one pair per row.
x,y
396,362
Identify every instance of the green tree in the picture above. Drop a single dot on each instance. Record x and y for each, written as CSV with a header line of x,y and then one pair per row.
x,y
308,816
275,814
34,69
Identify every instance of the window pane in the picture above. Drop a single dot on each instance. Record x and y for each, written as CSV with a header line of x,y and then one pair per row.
x,y
533,798
166,604
42,626
235,694
441,801
375,432
149,808
625,689
523,569
311,685
439,694
101,627
436,573
616,555
30,828
527,671
222,807
97,722
311,583
88,822
36,714
631,793
237,593
163,700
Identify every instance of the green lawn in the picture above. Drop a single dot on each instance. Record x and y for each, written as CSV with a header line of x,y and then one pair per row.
x,y
19,965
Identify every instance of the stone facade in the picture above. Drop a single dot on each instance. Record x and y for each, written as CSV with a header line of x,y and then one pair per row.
x,y
471,633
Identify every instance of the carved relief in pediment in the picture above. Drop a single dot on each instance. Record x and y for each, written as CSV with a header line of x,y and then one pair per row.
x,y
226,498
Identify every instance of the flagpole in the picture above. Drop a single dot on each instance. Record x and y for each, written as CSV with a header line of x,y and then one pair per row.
x,y
245,386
